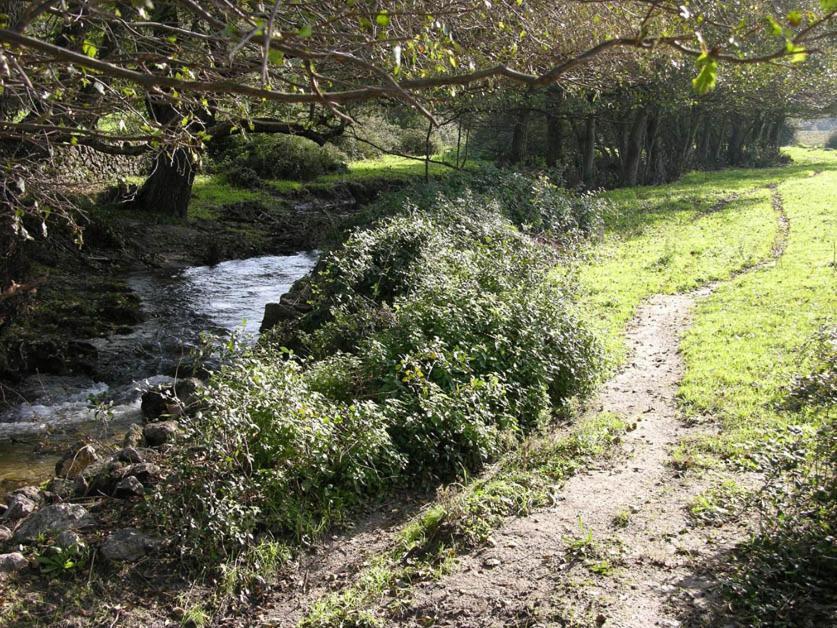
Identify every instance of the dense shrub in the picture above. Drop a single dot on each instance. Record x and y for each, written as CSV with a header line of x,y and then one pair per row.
x,y
434,342
831,142
538,205
276,157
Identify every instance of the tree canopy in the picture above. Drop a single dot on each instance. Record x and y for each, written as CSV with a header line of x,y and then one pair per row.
x,y
170,76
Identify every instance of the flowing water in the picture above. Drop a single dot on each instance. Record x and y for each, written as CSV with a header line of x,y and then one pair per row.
x,y
215,300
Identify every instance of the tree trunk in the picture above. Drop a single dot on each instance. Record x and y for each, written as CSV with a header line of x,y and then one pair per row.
x,y
589,156
703,141
652,148
687,147
736,139
717,145
633,152
519,137
169,187
554,131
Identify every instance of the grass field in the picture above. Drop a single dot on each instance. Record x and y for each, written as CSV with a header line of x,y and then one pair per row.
x,y
757,332
672,238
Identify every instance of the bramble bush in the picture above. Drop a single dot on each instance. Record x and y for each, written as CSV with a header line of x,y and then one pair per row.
x,y
432,345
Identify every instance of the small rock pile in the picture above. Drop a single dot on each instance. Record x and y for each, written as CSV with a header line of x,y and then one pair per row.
x,y
35,516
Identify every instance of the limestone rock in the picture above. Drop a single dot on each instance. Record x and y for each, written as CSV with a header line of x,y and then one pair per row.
x,y
52,520
157,434
69,538
31,492
133,437
61,489
100,478
130,455
146,473
75,461
11,563
129,487
19,507
127,545
274,313
171,400
5,534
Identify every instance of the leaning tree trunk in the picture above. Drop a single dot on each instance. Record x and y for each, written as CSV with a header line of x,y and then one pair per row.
x,y
169,187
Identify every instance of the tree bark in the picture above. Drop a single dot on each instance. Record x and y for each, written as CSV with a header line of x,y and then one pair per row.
x,y
169,187
554,130
588,158
633,152
736,139
519,137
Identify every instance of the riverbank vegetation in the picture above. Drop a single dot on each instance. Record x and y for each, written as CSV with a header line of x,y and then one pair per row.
x,y
432,345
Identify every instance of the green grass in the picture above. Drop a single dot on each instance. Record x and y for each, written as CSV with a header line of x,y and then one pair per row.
x,y
673,238
210,192
747,340
384,168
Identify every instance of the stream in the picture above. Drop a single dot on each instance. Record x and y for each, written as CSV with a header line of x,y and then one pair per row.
x,y
180,307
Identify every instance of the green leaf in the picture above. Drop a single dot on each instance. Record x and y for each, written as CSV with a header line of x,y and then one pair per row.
x,y
89,48
382,19
794,18
707,77
305,31
828,5
276,57
774,25
797,53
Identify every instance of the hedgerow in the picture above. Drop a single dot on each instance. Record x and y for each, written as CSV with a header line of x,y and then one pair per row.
x,y
433,344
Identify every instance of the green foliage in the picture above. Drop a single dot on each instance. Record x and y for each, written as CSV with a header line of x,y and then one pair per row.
x,y
717,504
55,561
707,76
414,142
378,132
276,157
433,343
536,204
